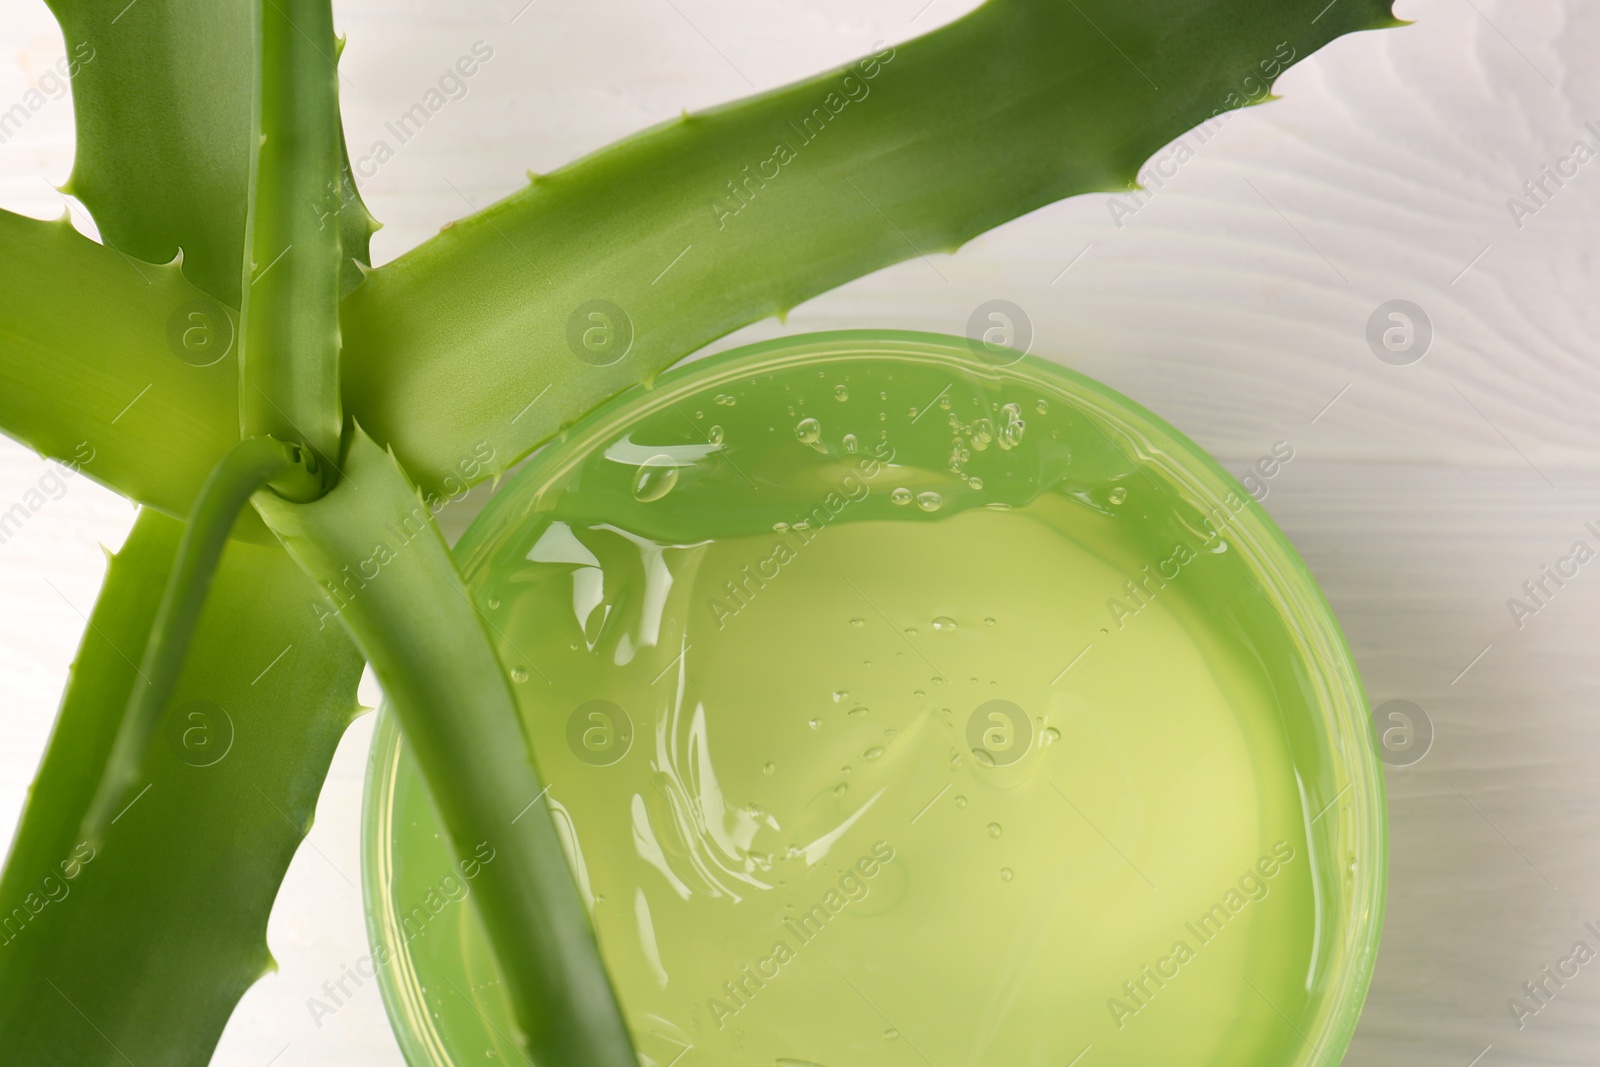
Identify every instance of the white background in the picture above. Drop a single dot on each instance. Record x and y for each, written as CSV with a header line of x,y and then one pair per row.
x,y
1234,303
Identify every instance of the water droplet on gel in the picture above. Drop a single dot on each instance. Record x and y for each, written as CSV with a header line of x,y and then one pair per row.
x,y
494,602
849,442
982,433
929,501
1012,427
960,801
1005,874
858,711
901,496
1118,495
815,723
519,674
995,830
841,789
770,769
841,392
944,622
911,631
975,482
858,622
809,431
919,694
840,696
1042,406
890,1034
988,622
714,435
780,526
873,753
1051,735
654,479
726,400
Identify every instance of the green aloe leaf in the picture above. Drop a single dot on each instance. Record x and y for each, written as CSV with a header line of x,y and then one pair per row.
x,y
138,951
372,545
121,369
665,241
161,94
289,358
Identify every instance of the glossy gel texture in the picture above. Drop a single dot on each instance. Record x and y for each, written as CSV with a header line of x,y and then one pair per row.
x,y
901,708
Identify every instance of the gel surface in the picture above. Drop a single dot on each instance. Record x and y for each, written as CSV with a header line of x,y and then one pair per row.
x,y
894,712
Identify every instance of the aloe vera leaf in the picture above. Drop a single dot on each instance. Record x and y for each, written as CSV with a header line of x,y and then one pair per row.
x,y
161,94
372,545
141,956
289,380
916,150
251,464
90,367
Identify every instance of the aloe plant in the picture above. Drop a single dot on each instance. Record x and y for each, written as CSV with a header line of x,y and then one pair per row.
x,y
340,400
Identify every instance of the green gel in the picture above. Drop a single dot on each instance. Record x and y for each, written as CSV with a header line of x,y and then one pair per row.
x,y
902,708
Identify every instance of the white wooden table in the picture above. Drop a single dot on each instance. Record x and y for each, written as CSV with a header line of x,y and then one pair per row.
x,y
1234,302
